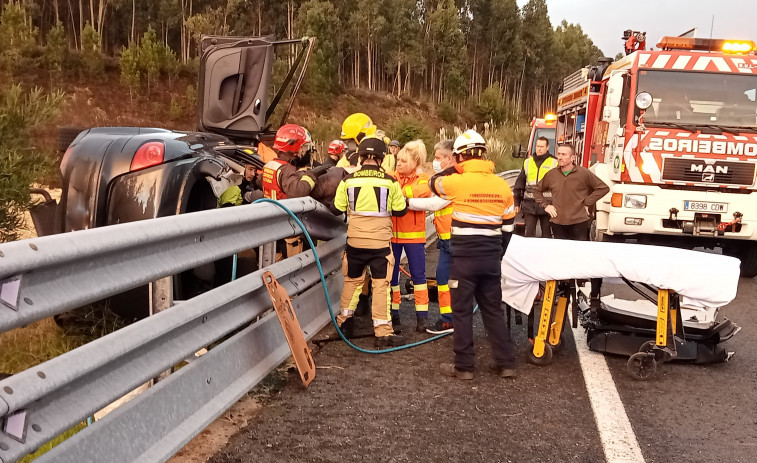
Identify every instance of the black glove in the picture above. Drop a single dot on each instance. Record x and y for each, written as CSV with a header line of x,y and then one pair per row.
x,y
318,171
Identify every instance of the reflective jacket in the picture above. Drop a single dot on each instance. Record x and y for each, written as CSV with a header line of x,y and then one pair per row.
x,y
534,169
411,228
442,212
482,206
370,197
281,180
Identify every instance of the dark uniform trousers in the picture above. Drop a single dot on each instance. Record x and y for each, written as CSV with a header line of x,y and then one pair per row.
x,y
478,277
577,232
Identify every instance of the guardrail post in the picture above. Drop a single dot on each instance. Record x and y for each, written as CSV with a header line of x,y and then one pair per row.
x,y
161,298
267,255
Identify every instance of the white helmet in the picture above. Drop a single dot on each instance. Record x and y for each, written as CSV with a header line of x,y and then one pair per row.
x,y
469,141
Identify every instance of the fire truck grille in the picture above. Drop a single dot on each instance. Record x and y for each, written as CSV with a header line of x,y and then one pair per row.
x,y
697,171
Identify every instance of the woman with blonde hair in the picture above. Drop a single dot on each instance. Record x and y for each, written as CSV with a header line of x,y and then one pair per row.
x,y
409,232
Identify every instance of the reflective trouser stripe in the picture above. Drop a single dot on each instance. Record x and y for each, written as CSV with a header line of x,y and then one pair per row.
x,y
362,289
445,302
445,236
396,297
421,297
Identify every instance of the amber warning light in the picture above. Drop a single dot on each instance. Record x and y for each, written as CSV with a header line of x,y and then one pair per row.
x,y
550,118
691,43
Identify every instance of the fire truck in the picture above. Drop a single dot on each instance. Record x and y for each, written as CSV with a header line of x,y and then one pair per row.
x,y
673,132
540,127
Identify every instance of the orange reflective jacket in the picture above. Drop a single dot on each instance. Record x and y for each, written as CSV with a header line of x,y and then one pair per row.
x,y
411,227
442,217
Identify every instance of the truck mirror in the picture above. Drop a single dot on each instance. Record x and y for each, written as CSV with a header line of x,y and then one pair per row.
x,y
517,153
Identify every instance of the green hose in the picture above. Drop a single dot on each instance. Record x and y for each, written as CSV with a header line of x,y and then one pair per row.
x,y
326,290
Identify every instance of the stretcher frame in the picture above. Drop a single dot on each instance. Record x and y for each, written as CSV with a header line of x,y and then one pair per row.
x,y
669,331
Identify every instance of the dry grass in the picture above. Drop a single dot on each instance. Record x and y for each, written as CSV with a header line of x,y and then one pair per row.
x,y
499,142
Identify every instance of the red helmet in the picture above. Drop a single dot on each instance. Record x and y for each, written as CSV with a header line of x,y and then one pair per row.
x,y
337,147
290,138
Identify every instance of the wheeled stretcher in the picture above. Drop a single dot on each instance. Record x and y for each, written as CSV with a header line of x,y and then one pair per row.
x,y
679,322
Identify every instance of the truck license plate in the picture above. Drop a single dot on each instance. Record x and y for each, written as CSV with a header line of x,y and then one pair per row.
x,y
704,206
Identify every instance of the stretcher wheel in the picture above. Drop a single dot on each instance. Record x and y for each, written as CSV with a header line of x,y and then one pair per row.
x,y
641,366
647,346
545,359
556,348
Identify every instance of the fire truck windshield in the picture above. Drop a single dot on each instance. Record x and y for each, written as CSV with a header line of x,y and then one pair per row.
x,y
699,99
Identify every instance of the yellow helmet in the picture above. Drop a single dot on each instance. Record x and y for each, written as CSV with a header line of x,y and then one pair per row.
x,y
357,126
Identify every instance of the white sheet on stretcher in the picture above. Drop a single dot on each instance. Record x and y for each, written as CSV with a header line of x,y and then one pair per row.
x,y
704,280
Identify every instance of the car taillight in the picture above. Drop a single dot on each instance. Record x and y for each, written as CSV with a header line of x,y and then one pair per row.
x,y
148,155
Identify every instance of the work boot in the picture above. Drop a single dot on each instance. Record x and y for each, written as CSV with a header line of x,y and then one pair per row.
x,y
594,305
420,324
440,327
363,305
448,369
396,325
505,372
392,340
348,328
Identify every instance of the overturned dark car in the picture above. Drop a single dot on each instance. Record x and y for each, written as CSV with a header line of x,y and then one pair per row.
x,y
112,175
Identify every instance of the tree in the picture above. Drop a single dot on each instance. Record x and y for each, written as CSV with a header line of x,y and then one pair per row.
x,y
539,62
21,112
91,52
56,49
318,19
574,48
446,52
130,75
149,57
17,35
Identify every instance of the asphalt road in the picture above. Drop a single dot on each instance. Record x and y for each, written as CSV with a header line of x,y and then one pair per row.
x,y
396,407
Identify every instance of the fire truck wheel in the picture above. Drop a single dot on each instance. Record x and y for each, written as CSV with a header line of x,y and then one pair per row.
x,y
641,366
545,359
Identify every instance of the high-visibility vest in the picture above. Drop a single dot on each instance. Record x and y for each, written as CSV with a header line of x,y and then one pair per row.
x,y
535,173
443,223
411,227
271,187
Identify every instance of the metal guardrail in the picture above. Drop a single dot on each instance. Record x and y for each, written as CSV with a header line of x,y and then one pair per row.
x,y
45,276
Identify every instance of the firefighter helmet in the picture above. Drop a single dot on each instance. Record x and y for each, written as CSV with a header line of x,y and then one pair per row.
x,y
337,147
290,138
357,126
469,142
374,147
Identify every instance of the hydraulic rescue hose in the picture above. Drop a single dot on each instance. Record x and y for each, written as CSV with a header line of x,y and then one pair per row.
x,y
326,290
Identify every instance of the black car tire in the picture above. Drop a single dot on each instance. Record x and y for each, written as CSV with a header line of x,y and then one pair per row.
x,y
66,135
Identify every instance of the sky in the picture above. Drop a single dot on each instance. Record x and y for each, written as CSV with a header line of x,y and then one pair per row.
x,y
605,20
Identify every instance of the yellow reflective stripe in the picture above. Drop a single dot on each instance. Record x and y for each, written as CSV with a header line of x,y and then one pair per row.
x,y
445,211
408,191
421,287
445,309
407,235
445,236
443,287
309,180
396,288
421,308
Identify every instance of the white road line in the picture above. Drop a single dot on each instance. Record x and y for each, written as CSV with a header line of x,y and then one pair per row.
x,y
618,439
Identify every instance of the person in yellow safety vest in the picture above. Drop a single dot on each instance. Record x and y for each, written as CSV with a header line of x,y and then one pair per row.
x,y
409,234
354,128
281,178
370,197
483,213
534,169
442,209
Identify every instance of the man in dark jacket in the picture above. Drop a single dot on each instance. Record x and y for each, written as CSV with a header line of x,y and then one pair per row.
x,y
534,168
574,190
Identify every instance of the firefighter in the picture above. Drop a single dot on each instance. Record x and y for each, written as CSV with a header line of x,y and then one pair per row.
x,y
443,159
336,149
409,233
354,128
281,178
483,213
534,169
370,197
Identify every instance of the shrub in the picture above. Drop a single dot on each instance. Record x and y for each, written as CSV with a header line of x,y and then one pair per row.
x,y
20,163
491,107
175,111
130,75
17,35
447,112
407,128
56,49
